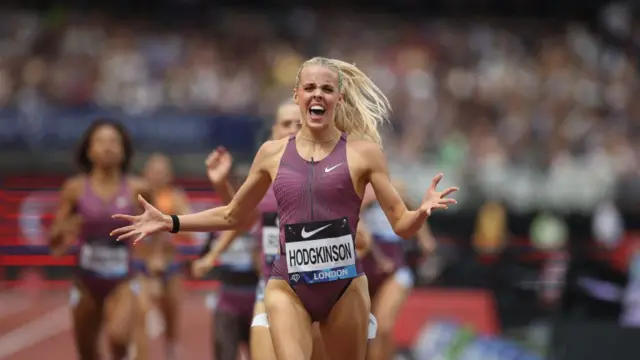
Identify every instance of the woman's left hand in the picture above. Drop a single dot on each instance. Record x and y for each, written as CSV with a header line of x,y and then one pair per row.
x,y
435,199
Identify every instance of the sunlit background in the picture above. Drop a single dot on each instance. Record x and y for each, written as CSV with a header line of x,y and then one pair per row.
x,y
532,108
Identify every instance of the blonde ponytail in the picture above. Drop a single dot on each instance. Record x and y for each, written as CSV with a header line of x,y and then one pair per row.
x,y
364,107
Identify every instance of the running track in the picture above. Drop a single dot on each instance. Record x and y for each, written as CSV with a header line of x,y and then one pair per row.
x,y
38,327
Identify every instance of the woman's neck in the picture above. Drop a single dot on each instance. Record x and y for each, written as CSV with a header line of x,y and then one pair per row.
x,y
106,175
320,135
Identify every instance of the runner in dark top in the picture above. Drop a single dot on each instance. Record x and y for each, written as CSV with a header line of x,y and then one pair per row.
x,y
319,177
234,301
104,294
234,267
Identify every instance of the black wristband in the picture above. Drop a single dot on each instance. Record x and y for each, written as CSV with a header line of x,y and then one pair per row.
x,y
176,224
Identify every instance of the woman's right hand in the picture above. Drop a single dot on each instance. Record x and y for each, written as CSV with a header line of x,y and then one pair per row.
x,y
201,266
150,222
69,230
218,165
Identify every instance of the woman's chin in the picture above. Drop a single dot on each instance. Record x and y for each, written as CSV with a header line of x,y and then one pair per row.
x,y
316,123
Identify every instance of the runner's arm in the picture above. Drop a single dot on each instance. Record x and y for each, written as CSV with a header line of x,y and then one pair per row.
x,y
237,213
63,220
225,190
405,222
221,245
183,207
369,196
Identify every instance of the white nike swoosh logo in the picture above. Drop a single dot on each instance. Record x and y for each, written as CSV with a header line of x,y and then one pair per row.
x,y
326,169
310,233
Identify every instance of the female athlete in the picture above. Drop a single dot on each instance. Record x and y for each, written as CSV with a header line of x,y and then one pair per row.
x,y
286,124
390,279
319,178
156,257
103,292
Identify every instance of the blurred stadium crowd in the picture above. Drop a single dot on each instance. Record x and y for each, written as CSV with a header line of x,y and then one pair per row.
x,y
482,96
537,114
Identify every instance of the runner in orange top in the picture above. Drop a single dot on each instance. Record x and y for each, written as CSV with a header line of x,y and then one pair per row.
x,y
157,261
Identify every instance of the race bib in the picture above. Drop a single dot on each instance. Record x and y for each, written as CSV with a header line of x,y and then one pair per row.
x,y
270,235
239,253
104,260
320,251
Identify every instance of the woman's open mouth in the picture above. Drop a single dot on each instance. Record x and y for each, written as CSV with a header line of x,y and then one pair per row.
x,y
316,112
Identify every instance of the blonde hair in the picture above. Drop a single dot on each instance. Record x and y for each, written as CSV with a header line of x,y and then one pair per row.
x,y
364,107
286,102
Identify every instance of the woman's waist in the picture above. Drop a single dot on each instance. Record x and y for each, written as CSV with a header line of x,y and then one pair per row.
x,y
303,219
101,227
143,265
317,278
96,276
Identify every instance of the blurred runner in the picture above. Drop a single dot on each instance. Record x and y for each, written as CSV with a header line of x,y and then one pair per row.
x,y
156,258
104,294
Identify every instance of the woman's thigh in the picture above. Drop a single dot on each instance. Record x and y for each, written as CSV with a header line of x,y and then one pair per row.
x,y
87,321
388,303
344,332
318,352
228,331
261,343
289,322
122,311
170,303
173,289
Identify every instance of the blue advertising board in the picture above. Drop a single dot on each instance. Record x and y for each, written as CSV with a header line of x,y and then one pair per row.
x,y
170,130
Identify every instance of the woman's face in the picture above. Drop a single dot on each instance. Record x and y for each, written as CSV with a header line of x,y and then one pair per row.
x,y
287,122
158,171
317,95
106,148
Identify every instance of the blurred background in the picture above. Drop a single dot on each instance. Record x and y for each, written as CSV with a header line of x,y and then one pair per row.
x,y
531,107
